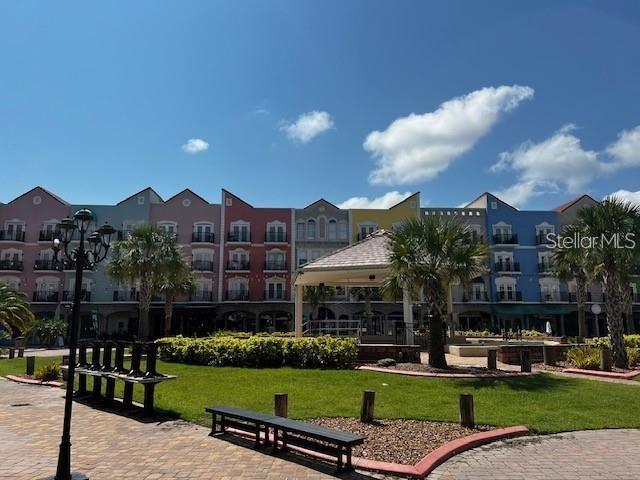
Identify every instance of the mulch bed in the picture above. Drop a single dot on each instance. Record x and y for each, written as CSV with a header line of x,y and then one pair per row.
x,y
560,366
421,367
399,441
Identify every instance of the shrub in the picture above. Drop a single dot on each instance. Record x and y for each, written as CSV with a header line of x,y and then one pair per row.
x,y
48,372
386,362
584,357
632,341
532,333
475,333
633,353
260,351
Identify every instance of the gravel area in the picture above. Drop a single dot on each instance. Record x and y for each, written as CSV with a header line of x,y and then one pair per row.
x,y
399,441
422,367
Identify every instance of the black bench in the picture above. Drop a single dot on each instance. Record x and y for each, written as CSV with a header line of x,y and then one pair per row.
x,y
287,432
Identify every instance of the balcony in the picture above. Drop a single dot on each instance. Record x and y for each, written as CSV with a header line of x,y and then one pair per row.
x,y
17,265
238,237
550,297
67,296
513,267
202,237
238,295
545,267
48,235
541,239
238,265
126,296
202,265
275,237
473,297
12,236
45,265
509,296
51,297
276,296
275,266
505,239
201,297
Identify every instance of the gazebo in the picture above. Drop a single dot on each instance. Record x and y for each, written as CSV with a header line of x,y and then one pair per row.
x,y
363,264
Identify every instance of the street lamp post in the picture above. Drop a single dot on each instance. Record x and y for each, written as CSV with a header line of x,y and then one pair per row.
x,y
82,257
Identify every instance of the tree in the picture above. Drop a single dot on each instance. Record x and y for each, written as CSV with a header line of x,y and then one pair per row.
x,y
14,309
429,255
575,263
318,296
46,329
176,279
613,231
142,257
365,294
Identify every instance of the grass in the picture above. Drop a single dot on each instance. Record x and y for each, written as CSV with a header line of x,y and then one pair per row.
x,y
545,403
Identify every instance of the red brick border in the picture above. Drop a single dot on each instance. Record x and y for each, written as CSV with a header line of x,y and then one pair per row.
x,y
31,381
597,373
505,374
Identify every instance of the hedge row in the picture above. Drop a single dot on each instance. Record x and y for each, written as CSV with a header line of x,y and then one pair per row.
x,y
629,341
260,351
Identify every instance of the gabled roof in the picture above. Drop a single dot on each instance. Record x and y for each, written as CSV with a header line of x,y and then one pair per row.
x,y
571,203
237,197
405,200
52,195
489,194
320,200
187,190
138,193
371,252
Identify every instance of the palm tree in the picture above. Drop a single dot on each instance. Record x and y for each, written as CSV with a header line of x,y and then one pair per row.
x,y
430,255
365,294
176,279
141,258
575,263
317,296
613,228
14,310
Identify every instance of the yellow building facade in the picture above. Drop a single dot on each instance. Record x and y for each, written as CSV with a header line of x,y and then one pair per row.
x,y
364,221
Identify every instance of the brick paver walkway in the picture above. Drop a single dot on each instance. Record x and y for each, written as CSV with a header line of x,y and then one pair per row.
x,y
107,446
585,455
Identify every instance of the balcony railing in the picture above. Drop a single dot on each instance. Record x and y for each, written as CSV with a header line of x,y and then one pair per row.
x,y
237,265
45,265
12,235
125,296
592,297
17,265
547,297
541,239
45,296
201,297
202,237
48,235
513,296
470,297
275,266
67,296
275,237
202,265
238,295
545,267
276,296
507,266
505,239
239,237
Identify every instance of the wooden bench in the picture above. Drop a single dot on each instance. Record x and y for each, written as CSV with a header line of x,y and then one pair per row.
x,y
287,432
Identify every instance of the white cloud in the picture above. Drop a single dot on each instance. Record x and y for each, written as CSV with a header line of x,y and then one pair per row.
x,y
626,150
626,195
387,200
308,126
195,145
420,146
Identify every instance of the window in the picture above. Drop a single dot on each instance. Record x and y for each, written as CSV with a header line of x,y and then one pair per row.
x,y
275,290
302,257
276,232
238,260
275,260
343,234
169,227
366,229
202,260
240,232
300,231
11,259
477,291
311,229
238,289
322,227
14,230
13,282
332,230
202,232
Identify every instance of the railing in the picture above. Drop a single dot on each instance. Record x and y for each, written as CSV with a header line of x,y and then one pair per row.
x,y
45,265
237,265
67,296
591,297
542,239
275,237
276,296
505,239
12,235
45,296
125,296
275,266
238,237
202,265
202,237
554,297
337,328
48,235
507,266
238,295
545,268
512,296
475,297
201,297
11,265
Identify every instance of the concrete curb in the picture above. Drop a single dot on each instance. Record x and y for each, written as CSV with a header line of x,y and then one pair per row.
x,y
597,373
447,375
31,381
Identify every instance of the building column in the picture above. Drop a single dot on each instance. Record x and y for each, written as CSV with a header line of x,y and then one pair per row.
x,y
562,330
407,310
298,310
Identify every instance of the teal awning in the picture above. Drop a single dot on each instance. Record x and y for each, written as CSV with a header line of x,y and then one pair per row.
x,y
538,309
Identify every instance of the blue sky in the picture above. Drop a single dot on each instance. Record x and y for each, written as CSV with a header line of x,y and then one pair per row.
x,y
532,100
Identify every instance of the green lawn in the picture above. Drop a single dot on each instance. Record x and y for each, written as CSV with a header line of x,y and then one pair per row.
x,y
544,403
